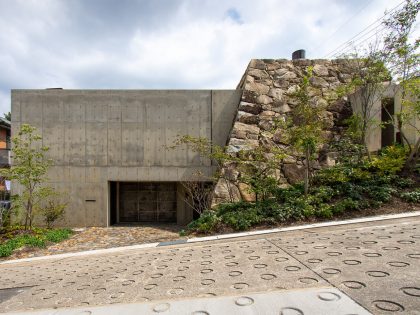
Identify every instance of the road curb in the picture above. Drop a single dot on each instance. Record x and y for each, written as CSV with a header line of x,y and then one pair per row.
x,y
216,237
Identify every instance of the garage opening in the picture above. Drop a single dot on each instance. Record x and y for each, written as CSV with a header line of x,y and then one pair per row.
x,y
135,202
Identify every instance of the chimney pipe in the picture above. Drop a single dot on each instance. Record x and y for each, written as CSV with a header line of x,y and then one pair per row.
x,y
298,54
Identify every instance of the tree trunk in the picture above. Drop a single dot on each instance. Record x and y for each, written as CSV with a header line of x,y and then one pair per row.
x,y
307,165
411,161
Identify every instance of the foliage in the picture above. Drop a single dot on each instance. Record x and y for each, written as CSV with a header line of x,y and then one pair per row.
x,y
305,128
52,211
28,170
37,238
8,116
258,168
208,221
401,54
336,191
390,160
411,196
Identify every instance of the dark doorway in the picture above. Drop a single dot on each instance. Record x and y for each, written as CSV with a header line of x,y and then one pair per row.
x,y
145,202
388,132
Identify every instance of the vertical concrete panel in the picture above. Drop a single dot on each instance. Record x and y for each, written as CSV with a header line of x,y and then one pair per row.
x,y
95,204
114,110
114,143
75,143
74,107
53,136
53,109
96,143
97,107
184,212
130,149
130,106
95,174
16,97
31,108
224,108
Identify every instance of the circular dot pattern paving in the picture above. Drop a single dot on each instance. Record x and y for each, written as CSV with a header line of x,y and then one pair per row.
x,y
376,266
156,274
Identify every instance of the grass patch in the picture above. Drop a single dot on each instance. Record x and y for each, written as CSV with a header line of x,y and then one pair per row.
x,y
14,238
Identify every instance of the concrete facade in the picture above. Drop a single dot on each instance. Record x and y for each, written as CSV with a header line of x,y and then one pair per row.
x,y
392,93
100,136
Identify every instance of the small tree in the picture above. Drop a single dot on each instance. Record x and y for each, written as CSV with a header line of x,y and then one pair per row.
x,y
305,128
29,170
52,211
401,54
216,154
199,193
369,76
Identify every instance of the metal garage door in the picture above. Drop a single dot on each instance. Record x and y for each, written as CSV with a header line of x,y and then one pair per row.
x,y
147,202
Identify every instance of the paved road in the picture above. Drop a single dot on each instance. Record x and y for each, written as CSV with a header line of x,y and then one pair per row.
x,y
375,266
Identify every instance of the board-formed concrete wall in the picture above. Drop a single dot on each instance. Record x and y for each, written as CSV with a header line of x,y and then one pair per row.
x,y
98,136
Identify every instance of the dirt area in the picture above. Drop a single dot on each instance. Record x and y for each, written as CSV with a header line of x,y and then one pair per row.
x,y
115,236
99,238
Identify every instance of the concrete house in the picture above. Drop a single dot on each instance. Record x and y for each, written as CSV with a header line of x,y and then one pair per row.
x,y
109,147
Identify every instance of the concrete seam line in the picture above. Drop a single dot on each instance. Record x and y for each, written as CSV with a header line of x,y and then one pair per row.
x,y
306,226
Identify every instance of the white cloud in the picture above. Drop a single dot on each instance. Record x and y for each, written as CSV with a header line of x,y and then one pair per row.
x,y
165,43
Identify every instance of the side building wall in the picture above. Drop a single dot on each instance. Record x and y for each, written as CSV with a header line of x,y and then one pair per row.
x,y
99,136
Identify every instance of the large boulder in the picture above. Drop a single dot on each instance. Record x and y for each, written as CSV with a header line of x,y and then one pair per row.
x,y
294,173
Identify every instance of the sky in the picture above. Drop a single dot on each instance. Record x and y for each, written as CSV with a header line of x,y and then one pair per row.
x,y
164,44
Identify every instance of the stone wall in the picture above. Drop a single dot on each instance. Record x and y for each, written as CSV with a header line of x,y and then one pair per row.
x,y
266,86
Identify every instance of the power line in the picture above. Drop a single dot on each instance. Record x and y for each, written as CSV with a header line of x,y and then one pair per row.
x,y
360,41
341,26
364,30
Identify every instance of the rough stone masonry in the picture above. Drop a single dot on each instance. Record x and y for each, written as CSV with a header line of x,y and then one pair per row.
x,y
267,85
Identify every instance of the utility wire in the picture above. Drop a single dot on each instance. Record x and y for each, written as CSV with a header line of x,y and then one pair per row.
x,y
342,25
343,45
360,41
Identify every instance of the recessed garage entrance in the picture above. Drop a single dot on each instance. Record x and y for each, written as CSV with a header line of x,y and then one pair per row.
x,y
143,202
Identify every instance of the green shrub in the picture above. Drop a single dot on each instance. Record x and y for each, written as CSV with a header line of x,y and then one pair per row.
x,y
39,238
298,208
6,249
411,196
331,176
285,194
242,220
402,182
206,223
391,160
380,193
324,211
344,205
56,236
52,212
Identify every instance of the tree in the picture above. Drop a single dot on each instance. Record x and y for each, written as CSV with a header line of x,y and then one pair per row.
x,y
305,128
369,77
8,116
401,55
29,170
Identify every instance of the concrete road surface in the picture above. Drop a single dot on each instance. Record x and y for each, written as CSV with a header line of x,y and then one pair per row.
x,y
363,268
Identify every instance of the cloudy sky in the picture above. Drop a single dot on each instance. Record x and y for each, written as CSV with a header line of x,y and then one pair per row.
x,y
168,44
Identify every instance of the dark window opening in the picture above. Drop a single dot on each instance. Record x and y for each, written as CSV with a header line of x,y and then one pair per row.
x,y
135,202
388,132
